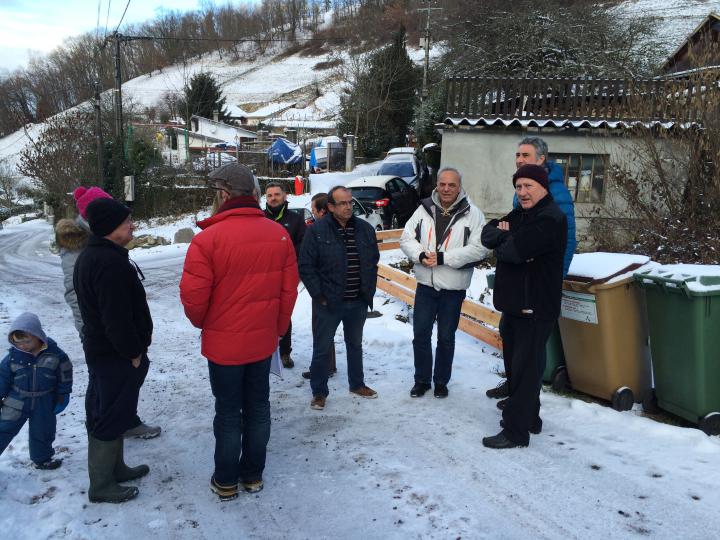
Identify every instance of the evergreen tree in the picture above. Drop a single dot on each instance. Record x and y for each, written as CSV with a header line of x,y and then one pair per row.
x,y
202,98
379,106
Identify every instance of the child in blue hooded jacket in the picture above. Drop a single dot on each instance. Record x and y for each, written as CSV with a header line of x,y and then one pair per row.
x,y
35,385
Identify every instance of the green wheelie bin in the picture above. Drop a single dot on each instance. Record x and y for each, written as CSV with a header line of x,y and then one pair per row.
x,y
683,303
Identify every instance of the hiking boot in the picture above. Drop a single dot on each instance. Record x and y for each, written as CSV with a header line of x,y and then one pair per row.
x,y
419,389
102,456
122,472
49,465
500,442
306,374
224,492
142,431
535,429
253,486
287,362
318,403
502,390
441,391
502,404
365,392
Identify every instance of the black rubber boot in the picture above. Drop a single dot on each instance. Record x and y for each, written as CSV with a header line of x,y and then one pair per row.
x,y
122,472
102,456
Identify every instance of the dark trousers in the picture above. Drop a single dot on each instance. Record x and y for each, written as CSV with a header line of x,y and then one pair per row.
x,y
112,398
41,430
524,342
332,364
352,314
286,341
443,306
242,420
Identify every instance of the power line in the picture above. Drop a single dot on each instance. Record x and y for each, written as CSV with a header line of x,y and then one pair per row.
x,y
228,40
107,17
123,15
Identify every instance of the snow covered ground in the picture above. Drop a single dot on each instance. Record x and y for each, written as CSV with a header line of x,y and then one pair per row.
x,y
394,467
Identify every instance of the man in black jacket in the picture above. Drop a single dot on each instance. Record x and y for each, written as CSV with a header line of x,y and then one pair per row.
x,y
117,333
338,265
276,208
529,245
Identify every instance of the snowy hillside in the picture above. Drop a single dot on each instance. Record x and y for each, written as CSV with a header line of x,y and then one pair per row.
x,y
677,18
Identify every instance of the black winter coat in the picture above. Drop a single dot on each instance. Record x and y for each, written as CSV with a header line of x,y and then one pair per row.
x,y
323,260
116,317
293,223
529,273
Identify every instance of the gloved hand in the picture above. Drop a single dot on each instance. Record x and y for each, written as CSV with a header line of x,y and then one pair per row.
x,y
61,403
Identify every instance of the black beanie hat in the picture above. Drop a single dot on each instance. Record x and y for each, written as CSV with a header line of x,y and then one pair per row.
x,y
105,215
533,172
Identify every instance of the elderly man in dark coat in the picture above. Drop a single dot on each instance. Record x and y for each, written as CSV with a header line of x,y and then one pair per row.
x,y
117,330
529,245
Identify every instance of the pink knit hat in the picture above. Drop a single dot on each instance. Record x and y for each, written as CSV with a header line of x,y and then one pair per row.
x,y
84,196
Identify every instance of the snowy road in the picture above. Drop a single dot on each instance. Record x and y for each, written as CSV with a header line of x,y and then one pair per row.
x,y
394,467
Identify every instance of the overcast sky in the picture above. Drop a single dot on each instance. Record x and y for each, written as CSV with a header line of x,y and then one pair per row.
x,y
32,27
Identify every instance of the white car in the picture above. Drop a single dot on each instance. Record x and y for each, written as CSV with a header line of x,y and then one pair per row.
x,y
359,210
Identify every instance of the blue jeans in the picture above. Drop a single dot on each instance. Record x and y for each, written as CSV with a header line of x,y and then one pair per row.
x,y
443,305
352,314
242,420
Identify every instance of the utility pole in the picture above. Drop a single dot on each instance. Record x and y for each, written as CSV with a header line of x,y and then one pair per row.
x,y
100,144
427,49
117,92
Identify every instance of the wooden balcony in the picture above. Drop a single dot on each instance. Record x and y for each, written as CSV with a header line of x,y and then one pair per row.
x,y
581,98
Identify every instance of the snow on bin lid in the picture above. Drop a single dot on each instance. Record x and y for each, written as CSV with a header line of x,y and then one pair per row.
x,y
699,278
598,266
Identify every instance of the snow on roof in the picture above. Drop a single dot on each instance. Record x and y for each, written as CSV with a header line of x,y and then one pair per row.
x,y
301,124
601,265
557,123
236,112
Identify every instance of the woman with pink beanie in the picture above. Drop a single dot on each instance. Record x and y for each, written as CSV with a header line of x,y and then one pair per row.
x,y
71,236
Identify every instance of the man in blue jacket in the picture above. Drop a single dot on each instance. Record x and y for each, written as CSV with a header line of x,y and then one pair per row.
x,y
534,151
338,265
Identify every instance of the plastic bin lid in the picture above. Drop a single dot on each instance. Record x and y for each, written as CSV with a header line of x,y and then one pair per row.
x,y
694,279
603,267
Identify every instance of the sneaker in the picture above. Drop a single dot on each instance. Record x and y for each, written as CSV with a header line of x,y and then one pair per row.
x,y
365,392
419,389
49,465
143,431
535,429
253,487
502,390
502,404
500,442
225,493
287,361
318,403
441,391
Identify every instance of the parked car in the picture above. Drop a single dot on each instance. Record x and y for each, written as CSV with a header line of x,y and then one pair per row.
x,y
305,213
390,195
406,166
367,214
401,150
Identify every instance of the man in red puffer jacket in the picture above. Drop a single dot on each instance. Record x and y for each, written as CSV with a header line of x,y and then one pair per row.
x,y
239,285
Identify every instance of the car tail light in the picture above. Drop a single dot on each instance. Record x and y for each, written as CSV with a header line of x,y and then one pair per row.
x,y
381,203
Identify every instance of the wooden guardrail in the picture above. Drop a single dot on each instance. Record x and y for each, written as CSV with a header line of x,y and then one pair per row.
x,y
402,286
389,239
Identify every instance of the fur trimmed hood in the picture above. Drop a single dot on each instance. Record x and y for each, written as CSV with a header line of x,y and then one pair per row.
x,y
71,234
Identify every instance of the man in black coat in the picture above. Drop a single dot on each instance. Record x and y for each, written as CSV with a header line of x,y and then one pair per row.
x,y
529,245
276,208
338,265
117,333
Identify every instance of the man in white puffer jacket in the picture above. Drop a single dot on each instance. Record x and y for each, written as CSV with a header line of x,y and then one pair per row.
x,y
442,238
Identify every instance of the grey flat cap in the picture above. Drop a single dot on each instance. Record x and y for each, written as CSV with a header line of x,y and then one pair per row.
x,y
237,176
